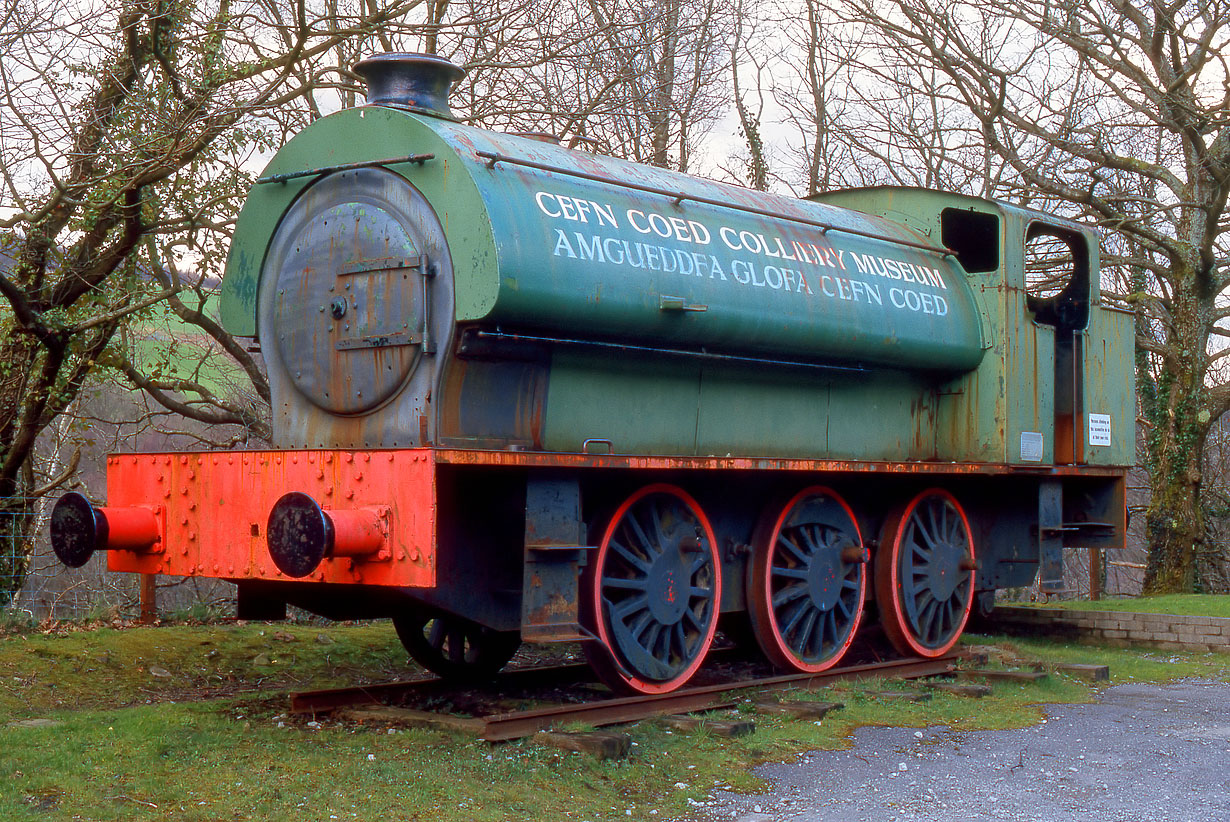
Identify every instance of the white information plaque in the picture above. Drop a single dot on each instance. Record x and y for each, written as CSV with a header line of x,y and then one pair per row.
x,y
1031,446
1099,429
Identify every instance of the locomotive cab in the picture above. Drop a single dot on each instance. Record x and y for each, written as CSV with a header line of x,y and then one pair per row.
x,y
1058,391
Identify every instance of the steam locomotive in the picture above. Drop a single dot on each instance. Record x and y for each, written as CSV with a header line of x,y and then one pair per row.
x,y
525,393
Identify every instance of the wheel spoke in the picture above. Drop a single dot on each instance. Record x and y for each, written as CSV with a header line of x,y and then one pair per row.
x,y
650,548
435,633
622,583
630,557
638,625
796,610
943,617
926,618
790,573
847,610
813,537
918,535
689,616
814,642
936,529
950,610
625,608
663,648
702,559
661,539
830,631
792,547
681,640
651,637
804,631
955,534
788,594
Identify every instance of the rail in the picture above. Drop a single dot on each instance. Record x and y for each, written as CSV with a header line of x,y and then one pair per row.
x,y
508,725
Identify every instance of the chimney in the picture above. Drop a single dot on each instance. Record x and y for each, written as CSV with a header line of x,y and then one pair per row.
x,y
419,82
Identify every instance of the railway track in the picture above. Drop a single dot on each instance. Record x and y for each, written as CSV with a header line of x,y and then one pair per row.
x,y
502,725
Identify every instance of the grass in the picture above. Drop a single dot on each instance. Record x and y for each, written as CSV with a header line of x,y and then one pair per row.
x,y
109,667
180,350
188,723
1215,605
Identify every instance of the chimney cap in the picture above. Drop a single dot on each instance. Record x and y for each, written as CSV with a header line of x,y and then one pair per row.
x,y
419,82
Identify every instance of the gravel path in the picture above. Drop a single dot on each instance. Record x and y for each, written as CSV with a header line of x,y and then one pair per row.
x,y
1143,753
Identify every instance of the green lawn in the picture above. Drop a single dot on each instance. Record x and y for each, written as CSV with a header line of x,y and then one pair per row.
x,y
1179,604
189,723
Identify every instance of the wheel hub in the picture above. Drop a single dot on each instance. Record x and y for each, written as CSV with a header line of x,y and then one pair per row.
x,y
945,570
824,579
668,589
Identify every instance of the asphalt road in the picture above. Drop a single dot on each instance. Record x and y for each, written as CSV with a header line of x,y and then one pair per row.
x,y
1143,753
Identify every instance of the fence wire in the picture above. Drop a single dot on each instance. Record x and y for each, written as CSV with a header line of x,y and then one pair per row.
x,y
35,585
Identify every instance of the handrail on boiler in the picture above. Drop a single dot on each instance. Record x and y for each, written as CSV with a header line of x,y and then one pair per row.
x,y
678,197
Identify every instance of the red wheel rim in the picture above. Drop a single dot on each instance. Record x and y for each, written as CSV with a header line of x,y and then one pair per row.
x,y
652,639
924,574
805,591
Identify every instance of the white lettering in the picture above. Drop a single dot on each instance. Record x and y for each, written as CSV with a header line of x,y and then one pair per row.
x,y
660,225
614,250
728,236
632,222
604,213
591,250
541,197
699,233
561,244
773,276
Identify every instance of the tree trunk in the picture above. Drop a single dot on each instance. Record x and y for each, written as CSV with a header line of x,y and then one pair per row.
x,y
1174,521
1174,530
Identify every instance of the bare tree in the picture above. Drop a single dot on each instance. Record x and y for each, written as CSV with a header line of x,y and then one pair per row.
x,y
860,114
815,79
125,137
662,74
640,79
130,135
751,50
1117,112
